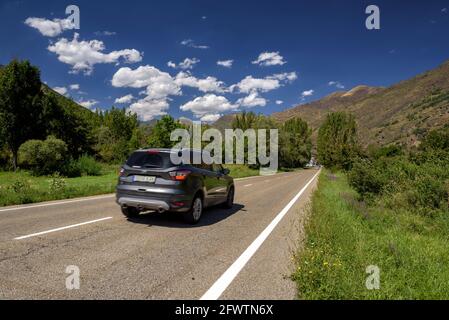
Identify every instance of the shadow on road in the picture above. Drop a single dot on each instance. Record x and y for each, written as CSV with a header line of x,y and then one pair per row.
x,y
210,216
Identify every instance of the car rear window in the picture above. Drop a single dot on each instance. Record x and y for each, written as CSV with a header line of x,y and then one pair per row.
x,y
145,159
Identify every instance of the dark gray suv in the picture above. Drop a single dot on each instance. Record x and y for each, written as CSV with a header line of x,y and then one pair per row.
x,y
149,181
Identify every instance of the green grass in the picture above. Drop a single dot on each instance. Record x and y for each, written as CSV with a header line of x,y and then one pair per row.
x,y
31,189
345,236
36,189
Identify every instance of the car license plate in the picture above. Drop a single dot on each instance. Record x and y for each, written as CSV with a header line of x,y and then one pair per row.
x,y
147,179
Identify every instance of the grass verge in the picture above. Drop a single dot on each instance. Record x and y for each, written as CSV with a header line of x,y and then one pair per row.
x,y
345,236
21,187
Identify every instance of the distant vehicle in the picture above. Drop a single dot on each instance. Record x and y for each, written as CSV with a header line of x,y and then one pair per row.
x,y
149,181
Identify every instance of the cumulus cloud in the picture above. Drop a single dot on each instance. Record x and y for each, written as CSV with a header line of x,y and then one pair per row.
x,y
286,76
50,28
307,93
74,86
159,87
336,84
279,102
187,64
208,106
61,90
269,59
83,55
250,84
147,109
252,100
125,99
88,103
444,10
158,84
209,84
210,118
225,63
191,44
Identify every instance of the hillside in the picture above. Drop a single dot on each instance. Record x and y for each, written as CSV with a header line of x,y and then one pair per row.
x,y
402,113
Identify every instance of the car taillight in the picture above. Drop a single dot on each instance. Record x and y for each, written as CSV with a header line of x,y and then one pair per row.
x,y
121,172
180,175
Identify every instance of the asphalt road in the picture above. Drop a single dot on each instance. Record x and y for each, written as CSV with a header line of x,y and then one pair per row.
x,y
157,256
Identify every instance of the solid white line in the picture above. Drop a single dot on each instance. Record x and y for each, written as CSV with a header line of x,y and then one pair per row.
x,y
62,228
226,279
57,203
248,185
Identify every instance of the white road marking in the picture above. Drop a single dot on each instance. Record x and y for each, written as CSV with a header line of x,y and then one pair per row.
x,y
248,185
62,228
57,203
226,278
111,195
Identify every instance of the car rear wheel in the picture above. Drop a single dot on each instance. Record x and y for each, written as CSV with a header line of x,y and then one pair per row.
x,y
229,199
193,216
130,212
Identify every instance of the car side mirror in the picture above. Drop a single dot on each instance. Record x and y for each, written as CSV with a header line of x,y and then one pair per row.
x,y
226,172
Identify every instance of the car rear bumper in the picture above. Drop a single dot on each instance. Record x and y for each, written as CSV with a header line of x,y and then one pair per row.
x,y
162,202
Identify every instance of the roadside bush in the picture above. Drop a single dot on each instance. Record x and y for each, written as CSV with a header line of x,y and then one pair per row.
x,y
43,157
88,166
57,184
22,190
366,179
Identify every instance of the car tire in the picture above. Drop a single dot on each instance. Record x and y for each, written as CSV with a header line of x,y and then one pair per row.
x,y
193,216
130,212
229,199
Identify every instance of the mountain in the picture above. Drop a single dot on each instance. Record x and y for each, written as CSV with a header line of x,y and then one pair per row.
x,y
402,113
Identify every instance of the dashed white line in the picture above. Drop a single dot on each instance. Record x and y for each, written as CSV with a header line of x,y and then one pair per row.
x,y
61,228
57,203
226,279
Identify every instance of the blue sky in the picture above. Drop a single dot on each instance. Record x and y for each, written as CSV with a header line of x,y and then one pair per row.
x,y
283,52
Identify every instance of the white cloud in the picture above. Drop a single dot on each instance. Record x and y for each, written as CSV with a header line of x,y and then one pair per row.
x,y
190,43
125,99
211,117
147,109
88,103
307,93
61,90
187,64
252,100
444,10
50,28
279,102
74,86
269,59
336,84
286,76
209,84
158,84
225,63
83,55
208,105
250,84
105,33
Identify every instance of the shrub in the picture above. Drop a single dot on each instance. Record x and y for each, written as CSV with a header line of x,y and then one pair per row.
x,y
88,166
57,184
366,179
43,157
